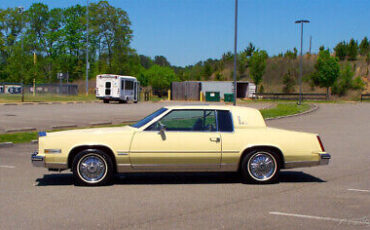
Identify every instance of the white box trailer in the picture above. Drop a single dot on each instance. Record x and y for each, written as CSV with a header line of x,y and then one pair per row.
x,y
110,87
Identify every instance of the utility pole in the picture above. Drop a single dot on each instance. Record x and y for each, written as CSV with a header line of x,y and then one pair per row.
x,y
87,48
20,11
235,47
310,44
300,61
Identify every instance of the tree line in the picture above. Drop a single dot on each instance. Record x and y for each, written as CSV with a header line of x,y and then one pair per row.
x,y
39,42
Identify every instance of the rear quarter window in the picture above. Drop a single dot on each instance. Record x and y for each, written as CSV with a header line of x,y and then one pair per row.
x,y
225,122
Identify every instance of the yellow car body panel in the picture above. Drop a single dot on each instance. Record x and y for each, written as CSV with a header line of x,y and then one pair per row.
x,y
135,149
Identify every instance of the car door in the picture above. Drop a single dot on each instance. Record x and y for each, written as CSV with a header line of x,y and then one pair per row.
x,y
188,141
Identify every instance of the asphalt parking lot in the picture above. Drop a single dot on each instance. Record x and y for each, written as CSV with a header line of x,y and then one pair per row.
x,y
49,116
326,197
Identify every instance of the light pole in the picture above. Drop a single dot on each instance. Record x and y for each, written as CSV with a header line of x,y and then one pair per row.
x,y
20,11
235,46
87,48
300,61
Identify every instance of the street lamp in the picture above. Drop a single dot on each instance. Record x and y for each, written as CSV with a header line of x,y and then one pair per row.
x,y
87,48
20,11
300,61
235,43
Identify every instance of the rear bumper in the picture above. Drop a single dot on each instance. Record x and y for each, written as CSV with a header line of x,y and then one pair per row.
x,y
324,160
37,160
108,98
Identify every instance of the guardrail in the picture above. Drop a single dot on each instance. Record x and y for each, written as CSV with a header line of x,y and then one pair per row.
x,y
291,96
365,96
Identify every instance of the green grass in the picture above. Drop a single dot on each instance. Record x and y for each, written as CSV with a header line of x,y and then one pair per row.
x,y
294,101
284,110
18,137
6,98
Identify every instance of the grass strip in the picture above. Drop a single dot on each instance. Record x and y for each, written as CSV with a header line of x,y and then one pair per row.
x,y
5,98
17,138
284,110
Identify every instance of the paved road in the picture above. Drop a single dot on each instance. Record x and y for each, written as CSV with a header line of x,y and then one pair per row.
x,y
44,117
322,197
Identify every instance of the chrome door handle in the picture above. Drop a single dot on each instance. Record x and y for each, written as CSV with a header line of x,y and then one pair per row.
x,y
214,139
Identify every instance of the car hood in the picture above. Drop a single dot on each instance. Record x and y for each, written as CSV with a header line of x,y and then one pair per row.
x,y
93,131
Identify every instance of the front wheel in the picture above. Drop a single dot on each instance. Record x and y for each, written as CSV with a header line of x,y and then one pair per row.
x,y
261,167
92,167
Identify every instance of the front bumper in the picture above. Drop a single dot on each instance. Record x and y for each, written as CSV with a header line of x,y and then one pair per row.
x,y
37,160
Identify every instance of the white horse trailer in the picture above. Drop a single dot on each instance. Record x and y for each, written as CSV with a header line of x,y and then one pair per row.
x,y
111,87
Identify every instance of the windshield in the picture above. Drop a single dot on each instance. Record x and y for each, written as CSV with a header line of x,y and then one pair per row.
x,y
148,118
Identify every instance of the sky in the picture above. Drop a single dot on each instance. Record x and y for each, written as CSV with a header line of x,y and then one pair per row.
x,y
188,31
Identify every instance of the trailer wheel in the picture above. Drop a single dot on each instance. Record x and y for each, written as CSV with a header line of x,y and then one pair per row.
x,y
106,101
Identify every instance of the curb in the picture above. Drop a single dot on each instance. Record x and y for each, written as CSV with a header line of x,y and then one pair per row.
x,y
100,123
313,108
64,126
49,103
6,144
27,129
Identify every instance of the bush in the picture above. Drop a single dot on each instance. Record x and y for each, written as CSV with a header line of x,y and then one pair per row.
x,y
289,82
346,82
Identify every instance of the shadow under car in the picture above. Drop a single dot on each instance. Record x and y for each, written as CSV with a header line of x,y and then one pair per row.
x,y
178,178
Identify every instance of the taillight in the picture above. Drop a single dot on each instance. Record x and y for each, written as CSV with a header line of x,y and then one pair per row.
x,y
321,145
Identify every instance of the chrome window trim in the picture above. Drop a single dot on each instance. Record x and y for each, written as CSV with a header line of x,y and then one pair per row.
x,y
216,116
171,110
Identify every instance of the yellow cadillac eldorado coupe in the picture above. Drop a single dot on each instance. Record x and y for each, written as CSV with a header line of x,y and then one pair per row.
x,y
181,139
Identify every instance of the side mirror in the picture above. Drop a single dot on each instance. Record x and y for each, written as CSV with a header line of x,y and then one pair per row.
x,y
162,129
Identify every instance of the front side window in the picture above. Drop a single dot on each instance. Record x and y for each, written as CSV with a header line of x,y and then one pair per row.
x,y
187,120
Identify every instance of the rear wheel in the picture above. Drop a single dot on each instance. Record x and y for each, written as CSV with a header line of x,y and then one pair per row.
x,y
261,167
92,167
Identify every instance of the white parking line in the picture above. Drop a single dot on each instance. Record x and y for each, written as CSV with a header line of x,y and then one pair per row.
x,y
356,222
358,190
7,166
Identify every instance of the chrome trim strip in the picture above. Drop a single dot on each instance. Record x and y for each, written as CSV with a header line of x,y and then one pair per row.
x,y
226,167
122,153
56,165
230,167
300,164
177,151
176,165
121,168
52,150
230,151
